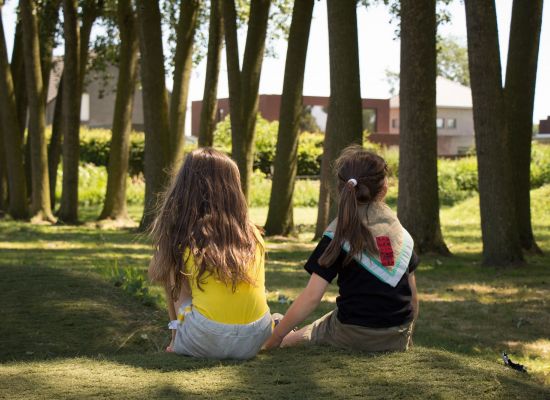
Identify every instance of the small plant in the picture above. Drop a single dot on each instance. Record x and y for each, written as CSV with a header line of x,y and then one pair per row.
x,y
132,281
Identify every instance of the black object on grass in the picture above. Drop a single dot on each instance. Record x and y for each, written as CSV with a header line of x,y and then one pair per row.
x,y
511,364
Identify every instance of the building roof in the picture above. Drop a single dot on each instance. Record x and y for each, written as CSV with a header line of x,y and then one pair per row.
x,y
448,94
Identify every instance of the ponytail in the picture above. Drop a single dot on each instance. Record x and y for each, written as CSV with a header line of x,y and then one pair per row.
x,y
362,177
348,228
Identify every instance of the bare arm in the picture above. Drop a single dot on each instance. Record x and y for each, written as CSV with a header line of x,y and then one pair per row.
x,y
414,299
306,302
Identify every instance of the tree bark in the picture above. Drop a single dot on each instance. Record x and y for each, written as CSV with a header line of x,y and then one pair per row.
x,y
280,214
519,92
47,20
210,96
55,148
500,236
68,211
114,206
244,84
40,205
12,151
155,106
418,200
185,34
19,80
345,117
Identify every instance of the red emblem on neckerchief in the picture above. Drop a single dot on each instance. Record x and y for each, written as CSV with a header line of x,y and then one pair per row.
x,y
385,250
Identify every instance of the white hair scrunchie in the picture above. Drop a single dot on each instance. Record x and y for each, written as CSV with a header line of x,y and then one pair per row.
x,y
353,182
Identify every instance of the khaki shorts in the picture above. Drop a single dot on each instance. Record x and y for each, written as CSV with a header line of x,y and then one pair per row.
x,y
328,330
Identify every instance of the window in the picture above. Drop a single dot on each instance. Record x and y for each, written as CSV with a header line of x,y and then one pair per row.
x,y
451,123
85,108
395,123
440,123
369,120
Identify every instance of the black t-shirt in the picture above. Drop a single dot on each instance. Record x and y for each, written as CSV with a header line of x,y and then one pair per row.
x,y
364,299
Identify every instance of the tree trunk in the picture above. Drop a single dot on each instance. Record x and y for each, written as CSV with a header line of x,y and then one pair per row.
x,y
40,205
345,116
189,10
12,151
519,92
68,211
155,106
47,20
115,198
55,148
3,180
418,200
19,80
280,214
498,223
210,96
244,84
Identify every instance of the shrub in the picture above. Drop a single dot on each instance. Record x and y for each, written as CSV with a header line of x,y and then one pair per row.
x,y
540,165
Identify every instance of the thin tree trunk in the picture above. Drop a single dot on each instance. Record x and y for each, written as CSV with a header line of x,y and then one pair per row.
x,y
11,149
155,106
345,117
47,20
68,211
189,10
521,77
114,206
418,200
244,84
55,148
500,236
280,214
19,80
210,96
40,205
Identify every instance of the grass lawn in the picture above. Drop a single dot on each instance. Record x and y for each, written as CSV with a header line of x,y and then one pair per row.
x,y
68,332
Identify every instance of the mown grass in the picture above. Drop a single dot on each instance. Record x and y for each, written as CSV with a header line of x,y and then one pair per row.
x,y
68,332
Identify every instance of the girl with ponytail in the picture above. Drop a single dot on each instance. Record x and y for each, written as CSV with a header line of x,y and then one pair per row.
x,y
372,255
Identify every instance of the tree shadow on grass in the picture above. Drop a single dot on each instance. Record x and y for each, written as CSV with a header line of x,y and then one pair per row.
x,y
51,312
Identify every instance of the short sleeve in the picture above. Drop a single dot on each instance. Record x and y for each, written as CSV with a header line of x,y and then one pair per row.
x,y
312,264
413,263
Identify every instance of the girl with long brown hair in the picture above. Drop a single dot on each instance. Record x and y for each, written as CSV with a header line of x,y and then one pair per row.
x,y
372,255
210,259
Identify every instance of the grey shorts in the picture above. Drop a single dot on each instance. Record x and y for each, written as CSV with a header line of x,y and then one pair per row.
x,y
198,336
329,330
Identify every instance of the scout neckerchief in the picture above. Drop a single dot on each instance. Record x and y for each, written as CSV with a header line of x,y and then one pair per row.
x,y
394,243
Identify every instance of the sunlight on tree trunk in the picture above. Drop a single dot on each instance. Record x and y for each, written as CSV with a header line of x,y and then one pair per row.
x,y
344,121
114,206
210,96
280,213
521,77
498,223
418,200
40,205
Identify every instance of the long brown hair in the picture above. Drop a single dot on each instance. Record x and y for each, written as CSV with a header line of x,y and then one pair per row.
x,y
361,178
205,212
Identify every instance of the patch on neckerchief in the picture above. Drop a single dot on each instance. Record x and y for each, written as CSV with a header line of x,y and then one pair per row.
x,y
385,250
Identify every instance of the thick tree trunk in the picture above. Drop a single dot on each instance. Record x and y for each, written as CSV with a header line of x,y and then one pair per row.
x,y
345,117
115,198
40,206
243,85
189,10
280,214
498,223
12,151
3,180
210,96
68,211
418,200
55,148
155,106
519,92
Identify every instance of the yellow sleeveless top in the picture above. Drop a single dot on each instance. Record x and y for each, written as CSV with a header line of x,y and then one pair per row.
x,y
217,301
